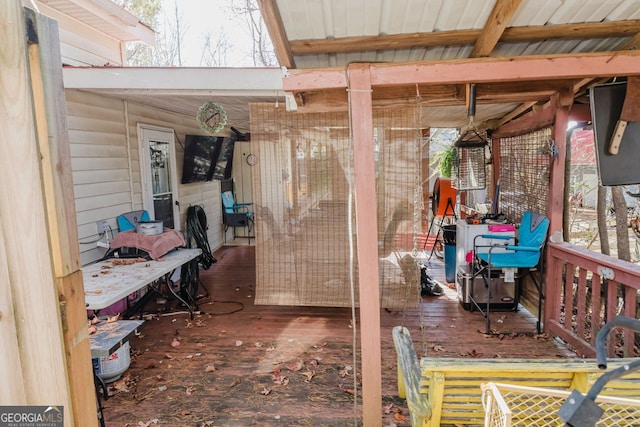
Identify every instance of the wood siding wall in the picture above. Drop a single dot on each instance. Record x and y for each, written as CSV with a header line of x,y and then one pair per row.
x,y
106,165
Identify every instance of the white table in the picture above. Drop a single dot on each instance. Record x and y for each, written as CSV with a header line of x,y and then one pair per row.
x,y
106,283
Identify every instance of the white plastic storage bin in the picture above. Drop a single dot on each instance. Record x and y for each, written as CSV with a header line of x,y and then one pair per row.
x,y
111,367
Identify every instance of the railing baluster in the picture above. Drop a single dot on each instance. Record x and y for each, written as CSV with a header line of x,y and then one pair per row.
x,y
568,297
612,307
581,306
596,309
630,301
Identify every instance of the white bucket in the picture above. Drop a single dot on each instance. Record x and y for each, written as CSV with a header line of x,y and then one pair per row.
x,y
111,367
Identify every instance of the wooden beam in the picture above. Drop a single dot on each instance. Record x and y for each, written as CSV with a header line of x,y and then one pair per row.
x,y
497,22
626,28
275,27
477,70
482,70
366,220
530,122
27,274
45,67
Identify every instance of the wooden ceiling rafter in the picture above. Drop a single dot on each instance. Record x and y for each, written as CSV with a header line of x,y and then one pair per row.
x,y
275,27
627,28
495,26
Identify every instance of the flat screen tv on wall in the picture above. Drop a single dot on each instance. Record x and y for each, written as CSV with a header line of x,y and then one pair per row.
x,y
200,156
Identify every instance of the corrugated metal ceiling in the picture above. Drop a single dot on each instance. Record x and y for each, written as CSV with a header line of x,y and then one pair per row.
x,y
330,19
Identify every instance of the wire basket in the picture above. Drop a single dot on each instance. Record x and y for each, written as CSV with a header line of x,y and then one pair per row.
x,y
470,173
509,405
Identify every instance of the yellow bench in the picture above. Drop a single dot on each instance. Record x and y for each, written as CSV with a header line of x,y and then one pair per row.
x,y
446,391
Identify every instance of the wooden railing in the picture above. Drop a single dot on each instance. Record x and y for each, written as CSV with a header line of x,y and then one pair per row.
x,y
584,290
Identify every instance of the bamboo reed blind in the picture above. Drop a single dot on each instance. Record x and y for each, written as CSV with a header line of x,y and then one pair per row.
x,y
301,198
525,167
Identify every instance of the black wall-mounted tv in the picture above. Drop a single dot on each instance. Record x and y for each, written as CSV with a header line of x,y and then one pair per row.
x,y
207,158
200,153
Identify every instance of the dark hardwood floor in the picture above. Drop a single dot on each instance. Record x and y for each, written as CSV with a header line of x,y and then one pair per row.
x,y
238,364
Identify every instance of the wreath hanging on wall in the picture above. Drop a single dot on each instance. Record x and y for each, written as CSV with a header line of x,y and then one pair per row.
x,y
211,117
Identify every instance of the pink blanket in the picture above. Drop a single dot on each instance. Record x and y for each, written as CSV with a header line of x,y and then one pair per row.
x,y
155,246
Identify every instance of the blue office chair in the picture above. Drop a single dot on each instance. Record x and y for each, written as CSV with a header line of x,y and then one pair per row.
x,y
525,256
234,214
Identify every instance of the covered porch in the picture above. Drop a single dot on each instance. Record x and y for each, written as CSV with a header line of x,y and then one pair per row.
x,y
245,364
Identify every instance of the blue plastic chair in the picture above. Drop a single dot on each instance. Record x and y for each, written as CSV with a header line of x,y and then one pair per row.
x,y
525,256
236,214
129,220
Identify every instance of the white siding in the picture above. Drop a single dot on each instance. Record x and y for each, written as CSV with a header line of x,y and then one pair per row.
x,y
106,165
81,44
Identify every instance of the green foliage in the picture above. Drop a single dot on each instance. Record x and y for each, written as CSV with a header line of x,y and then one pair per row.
x,y
446,160
147,11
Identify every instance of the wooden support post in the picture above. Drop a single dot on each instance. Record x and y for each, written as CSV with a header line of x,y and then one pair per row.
x,y
30,284
555,204
367,228
45,67
42,328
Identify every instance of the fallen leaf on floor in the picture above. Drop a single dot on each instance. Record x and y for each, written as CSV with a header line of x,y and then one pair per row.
x,y
258,344
168,356
210,368
438,348
275,372
175,342
235,382
185,412
309,375
388,408
349,391
471,353
148,423
238,343
224,331
162,388
314,361
265,391
121,384
113,318
159,378
298,365
399,417
94,320
190,390
280,380
343,373
200,344
189,325
271,348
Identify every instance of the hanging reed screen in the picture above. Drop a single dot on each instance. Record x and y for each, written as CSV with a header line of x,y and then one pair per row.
x,y
525,165
301,198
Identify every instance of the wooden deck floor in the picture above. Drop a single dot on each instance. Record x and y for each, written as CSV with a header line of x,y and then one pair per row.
x,y
238,364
